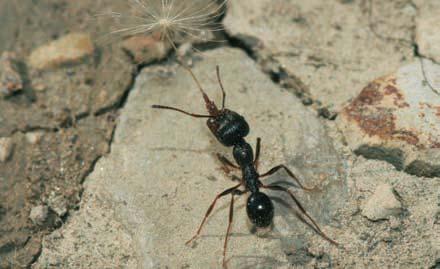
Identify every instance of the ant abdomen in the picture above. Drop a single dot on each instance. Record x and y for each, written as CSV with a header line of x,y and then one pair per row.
x,y
260,209
228,127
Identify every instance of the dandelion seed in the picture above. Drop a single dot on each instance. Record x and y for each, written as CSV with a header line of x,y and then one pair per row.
x,y
176,21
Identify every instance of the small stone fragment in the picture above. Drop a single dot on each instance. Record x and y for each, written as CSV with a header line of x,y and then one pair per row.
x,y
34,137
67,50
10,79
58,204
382,204
6,147
39,214
146,49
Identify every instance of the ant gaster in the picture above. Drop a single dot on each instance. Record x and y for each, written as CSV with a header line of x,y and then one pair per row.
x,y
230,129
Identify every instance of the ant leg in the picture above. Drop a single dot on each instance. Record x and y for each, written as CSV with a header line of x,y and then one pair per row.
x,y
301,208
225,192
290,173
217,68
257,152
231,216
225,161
181,111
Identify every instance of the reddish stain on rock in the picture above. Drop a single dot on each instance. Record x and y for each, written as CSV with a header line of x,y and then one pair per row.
x,y
371,118
375,116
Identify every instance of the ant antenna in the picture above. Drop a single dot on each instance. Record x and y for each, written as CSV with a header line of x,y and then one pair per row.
x,y
217,68
182,111
210,106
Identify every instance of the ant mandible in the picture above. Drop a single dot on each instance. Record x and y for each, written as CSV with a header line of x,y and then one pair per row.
x,y
230,129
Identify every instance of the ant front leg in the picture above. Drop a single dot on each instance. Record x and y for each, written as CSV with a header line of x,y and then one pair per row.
x,y
211,207
290,173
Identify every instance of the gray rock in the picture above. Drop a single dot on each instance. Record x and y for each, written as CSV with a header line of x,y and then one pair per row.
x,y
329,49
6,148
162,173
382,204
39,214
427,35
397,118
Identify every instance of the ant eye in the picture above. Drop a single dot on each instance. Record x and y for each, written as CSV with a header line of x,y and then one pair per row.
x,y
260,209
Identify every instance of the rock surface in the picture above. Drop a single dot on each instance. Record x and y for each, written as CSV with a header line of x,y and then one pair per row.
x,y
327,49
427,37
397,118
68,49
409,240
160,180
382,204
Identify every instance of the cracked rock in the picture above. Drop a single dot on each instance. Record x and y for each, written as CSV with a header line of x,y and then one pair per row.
x,y
68,49
331,48
396,118
382,204
161,180
427,35
6,148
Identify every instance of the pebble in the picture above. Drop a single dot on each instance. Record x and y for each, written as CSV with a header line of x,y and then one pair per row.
x,y
34,137
146,49
68,49
39,214
10,78
6,148
382,204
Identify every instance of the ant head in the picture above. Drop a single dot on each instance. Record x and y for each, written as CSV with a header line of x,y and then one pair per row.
x,y
228,127
259,209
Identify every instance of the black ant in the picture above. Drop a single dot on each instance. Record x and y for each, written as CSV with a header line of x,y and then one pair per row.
x,y
230,128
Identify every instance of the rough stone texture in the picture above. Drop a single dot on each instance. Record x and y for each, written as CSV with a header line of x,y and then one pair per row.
x,y
160,180
382,204
6,148
10,78
397,118
427,37
68,49
325,50
92,238
410,240
36,174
